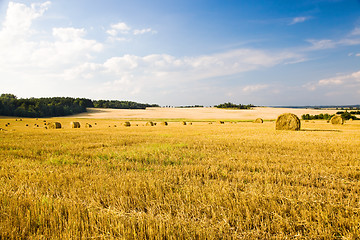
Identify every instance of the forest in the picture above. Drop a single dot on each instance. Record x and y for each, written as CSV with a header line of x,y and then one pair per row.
x,y
10,105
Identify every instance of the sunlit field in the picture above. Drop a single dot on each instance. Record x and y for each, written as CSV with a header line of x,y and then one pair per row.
x,y
238,180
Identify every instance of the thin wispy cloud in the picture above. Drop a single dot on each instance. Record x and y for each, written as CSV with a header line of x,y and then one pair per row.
x,y
299,20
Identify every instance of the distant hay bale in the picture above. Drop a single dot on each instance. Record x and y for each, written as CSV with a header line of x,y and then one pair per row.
x,y
337,120
88,125
27,125
350,120
164,123
75,125
155,123
190,123
288,121
183,123
149,123
95,124
45,124
221,122
54,125
127,124
115,126
258,120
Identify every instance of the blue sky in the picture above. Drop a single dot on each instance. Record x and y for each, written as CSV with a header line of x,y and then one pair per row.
x,y
183,52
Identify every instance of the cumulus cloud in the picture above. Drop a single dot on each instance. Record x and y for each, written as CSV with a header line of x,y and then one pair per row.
x,y
117,28
67,54
123,28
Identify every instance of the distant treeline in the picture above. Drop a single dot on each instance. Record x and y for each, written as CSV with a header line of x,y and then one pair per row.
x,y
344,115
234,106
10,105
121,104
351,112
191,106
325,116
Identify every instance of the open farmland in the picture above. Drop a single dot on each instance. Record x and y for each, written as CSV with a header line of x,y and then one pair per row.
x,y
237,180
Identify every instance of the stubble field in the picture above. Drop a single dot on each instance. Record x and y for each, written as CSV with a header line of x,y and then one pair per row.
x,y
237,180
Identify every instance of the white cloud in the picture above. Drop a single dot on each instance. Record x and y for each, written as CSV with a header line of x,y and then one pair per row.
x,y
142,31
351,80
66,56
299,20
358,54
19,18
120,27
322,44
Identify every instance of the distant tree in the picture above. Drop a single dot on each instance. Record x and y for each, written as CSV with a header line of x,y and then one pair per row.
x,y
234,106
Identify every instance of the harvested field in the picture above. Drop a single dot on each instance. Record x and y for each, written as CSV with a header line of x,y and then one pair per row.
x,y
205,181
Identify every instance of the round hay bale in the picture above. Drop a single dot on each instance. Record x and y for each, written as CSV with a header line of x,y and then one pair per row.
x,y
149,123
190,123
164,123
350,120
337,120
75,125
258,120
221,122
183,123
27,125
54,125
127,124
95,124
88,125
288,121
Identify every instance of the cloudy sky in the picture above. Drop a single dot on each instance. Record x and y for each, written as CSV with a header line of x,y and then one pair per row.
x,y
183,52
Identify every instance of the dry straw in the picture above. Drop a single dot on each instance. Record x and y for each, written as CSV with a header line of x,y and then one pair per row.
x,y
54,125
258,120
127,124
338,120
288,121
75,125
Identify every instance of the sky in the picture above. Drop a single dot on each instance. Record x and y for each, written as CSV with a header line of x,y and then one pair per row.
x,y
183,52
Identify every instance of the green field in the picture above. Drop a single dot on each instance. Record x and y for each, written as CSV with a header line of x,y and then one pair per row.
x,y
201,181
